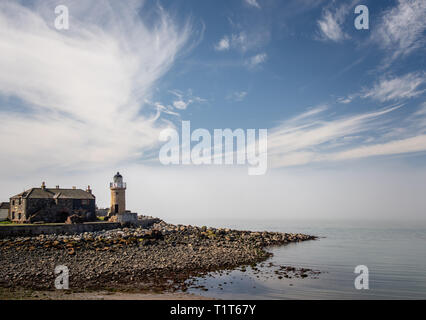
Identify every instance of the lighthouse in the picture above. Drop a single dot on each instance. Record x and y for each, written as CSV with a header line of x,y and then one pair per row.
x,y
118,195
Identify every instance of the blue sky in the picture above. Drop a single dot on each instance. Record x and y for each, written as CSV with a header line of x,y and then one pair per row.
x,y
299,66
301,70
345,109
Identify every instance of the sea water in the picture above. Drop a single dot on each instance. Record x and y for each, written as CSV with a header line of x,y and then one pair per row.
x,y
393,251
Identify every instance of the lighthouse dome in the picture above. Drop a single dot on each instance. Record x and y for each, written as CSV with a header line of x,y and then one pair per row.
x,y
118,178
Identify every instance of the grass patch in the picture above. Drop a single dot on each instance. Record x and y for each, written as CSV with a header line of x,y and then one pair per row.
x,y
5,222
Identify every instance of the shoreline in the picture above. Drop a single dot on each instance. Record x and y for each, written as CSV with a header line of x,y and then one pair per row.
x,y
28,294
164,258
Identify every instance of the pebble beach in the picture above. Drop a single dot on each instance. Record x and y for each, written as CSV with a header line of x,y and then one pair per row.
x,y
163,258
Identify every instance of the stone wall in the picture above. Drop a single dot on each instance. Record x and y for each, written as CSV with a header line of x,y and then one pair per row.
x,y
35,205
4,213
49,210
17,209
51,213
118,198
17,230
125,217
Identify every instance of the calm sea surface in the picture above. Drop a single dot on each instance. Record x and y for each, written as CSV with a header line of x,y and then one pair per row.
x,y
394,252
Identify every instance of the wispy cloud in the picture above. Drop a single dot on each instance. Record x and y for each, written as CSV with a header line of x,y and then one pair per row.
x,y
167,109
408,145
345,100
223,44
237,96
421,111
184,99
252,3
315,136
330,24
391,88
309,114
402,28
180,102
84,88
396,88
243,41
256,60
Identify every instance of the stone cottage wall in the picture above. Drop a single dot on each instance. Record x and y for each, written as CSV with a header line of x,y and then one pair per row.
x,y
17,209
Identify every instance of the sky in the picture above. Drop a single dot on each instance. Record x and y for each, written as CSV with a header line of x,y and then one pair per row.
x,y
345,109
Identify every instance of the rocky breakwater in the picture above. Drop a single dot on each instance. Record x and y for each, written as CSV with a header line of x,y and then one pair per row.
x,y
160,258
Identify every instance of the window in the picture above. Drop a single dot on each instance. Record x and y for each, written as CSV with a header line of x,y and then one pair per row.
x,y
20,201
13,215
13,202
85,202
19,216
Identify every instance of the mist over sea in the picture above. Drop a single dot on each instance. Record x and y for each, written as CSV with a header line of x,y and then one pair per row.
x,y
393,251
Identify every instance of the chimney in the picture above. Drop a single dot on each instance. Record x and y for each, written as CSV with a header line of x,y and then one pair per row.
x,y
74,188
89,190
57,187
43,185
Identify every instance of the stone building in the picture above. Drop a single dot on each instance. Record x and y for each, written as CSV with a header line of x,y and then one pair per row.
x,y
52,205
4,211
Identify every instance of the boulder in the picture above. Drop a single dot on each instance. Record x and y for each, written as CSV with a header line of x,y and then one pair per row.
x,y
75,218
154,234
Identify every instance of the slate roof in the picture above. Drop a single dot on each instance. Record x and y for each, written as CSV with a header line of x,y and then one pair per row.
x,y
40,193
4,205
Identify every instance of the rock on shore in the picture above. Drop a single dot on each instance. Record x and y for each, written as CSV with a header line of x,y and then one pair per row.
x,y
159,258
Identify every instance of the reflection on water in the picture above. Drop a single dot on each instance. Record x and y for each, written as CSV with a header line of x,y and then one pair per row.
x,y
395,254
